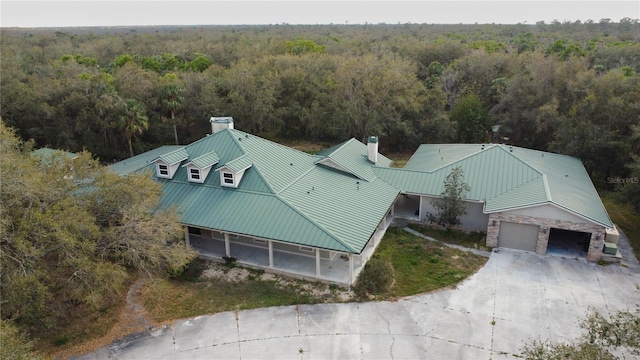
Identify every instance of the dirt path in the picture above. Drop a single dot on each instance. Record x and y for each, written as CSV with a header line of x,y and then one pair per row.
x,y
133,319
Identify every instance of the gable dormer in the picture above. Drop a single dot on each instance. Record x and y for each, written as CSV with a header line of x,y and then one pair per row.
x,y
199,168
168,164
231,173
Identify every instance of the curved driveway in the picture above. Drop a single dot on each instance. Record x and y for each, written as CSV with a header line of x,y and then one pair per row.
x,y
515,298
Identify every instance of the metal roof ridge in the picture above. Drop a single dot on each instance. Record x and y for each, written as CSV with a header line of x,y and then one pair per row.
x,y
257,169
301,213
521,185
464,157
311,168
547,189
518,158
610,225
347,170
344,143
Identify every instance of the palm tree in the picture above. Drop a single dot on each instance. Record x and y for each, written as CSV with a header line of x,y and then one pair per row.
x,y
172,99
134,121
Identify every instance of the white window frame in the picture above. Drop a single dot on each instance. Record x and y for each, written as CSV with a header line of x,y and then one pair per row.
x,y
228,176
163,171
197,173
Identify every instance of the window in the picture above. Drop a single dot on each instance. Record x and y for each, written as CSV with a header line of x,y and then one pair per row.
x,y
163,170
194,174
228,178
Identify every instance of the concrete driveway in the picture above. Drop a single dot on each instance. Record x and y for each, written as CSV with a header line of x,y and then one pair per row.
x,y
515,298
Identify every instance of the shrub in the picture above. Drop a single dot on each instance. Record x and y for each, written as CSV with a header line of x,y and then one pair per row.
x,y
190,272
376,278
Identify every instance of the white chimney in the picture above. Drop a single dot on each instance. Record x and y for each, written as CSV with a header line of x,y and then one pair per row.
x,y
220,123
372,149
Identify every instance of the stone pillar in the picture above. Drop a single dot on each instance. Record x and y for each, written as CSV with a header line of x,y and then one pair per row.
x,y
186,237
350,269
270,253
543,239
595,246
317,262
227,246
493,228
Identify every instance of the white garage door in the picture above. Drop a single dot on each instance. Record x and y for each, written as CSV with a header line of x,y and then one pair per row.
x,y
518,236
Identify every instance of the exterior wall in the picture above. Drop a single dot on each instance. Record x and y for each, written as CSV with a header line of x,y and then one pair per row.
x,y
548,212
474,220
595,245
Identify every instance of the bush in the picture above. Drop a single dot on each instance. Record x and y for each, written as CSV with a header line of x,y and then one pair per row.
x,y
376,278
190,272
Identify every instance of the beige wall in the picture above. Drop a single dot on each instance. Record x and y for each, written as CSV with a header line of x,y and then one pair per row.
x,y
548,211
474,220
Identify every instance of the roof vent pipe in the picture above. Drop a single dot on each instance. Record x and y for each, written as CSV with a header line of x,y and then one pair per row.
x,y
220,123
372,149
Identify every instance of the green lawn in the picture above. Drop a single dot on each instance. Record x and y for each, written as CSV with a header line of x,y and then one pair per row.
x,y
472,240
421,265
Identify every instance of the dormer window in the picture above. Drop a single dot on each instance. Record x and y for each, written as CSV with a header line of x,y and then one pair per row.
x,y
167,164
199,167
194,174
232,172
163,170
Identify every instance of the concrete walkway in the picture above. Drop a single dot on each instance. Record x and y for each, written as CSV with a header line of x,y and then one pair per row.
x,y
515,298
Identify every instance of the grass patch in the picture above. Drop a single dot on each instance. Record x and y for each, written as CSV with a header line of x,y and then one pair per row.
x,y
81,326
626,218
421,265
169,300
473,240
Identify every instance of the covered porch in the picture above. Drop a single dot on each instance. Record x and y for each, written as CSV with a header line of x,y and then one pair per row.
x,y
284,258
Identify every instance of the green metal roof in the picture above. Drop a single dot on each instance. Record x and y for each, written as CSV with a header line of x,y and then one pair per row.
x,y
351,156
47,155
290,196
175,156
340,213
141,161
206,160
504,177
238,164
346,207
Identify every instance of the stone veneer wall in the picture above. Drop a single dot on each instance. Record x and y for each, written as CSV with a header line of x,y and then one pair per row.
x,y
595,245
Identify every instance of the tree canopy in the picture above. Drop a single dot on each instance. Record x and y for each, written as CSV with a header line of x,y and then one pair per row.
x,y
70,230
567,87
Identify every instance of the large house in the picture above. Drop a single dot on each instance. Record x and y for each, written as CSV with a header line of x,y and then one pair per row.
x,y
321,216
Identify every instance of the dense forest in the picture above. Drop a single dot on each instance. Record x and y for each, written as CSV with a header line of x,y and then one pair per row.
x,y
73,246
567,87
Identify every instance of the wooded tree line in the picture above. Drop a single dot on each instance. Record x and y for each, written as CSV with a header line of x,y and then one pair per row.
x,y
567,87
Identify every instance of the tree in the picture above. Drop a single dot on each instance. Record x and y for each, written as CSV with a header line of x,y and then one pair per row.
x,y
450,204
621,330
134,121
172,98
472,119
69,231
15,345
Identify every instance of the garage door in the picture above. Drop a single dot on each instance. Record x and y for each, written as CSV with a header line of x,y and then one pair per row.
x,y
518,236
